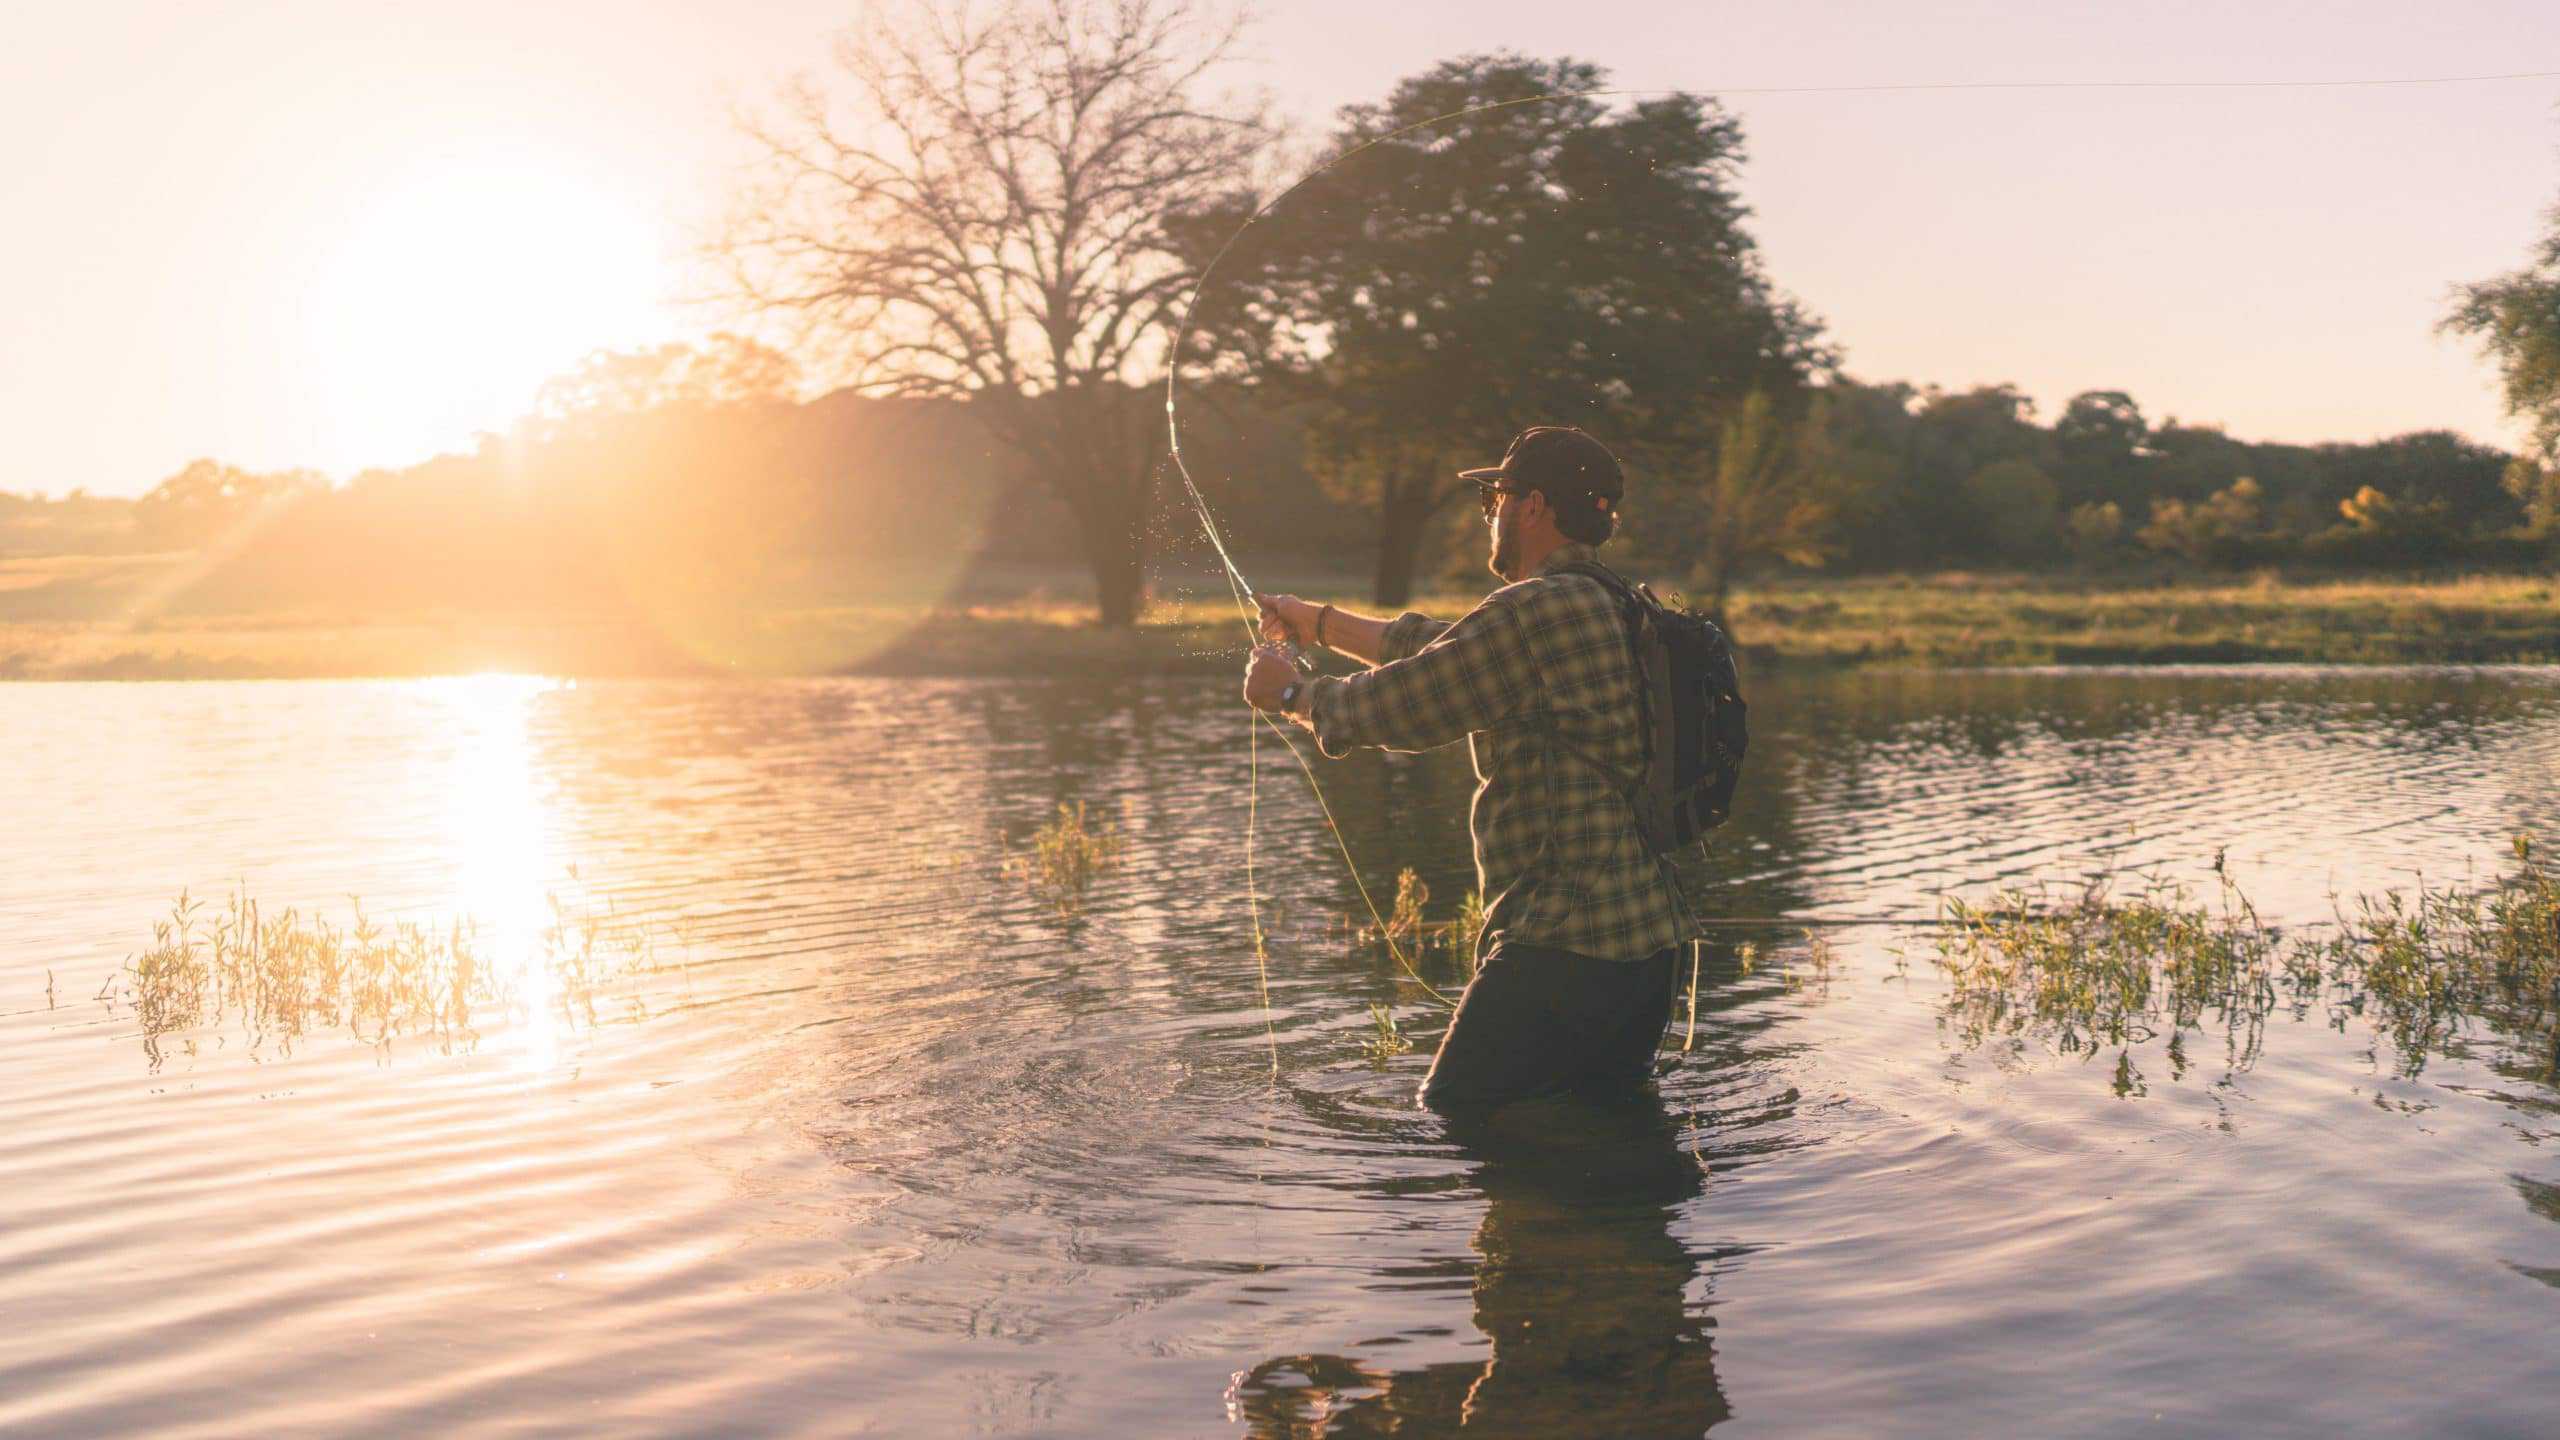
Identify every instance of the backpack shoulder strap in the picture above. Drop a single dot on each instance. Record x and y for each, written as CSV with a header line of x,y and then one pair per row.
x,y
1634,601
1631,603
1618,584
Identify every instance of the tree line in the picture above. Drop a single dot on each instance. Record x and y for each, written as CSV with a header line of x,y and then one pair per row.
x,y
990,230
634,481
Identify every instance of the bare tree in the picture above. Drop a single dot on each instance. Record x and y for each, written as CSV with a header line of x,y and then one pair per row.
x,y
985,217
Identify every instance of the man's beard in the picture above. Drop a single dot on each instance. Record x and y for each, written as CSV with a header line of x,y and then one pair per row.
x,y
1506,549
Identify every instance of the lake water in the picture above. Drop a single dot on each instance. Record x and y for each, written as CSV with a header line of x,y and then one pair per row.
x,y
873,1140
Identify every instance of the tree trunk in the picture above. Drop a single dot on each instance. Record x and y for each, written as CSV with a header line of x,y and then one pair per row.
x,y
1120,574
1718,587
1403,514
1115,548
1394,582
1720,556
1123,589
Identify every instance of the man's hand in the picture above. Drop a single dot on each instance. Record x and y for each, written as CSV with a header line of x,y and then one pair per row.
x,y
1266,676
1287,620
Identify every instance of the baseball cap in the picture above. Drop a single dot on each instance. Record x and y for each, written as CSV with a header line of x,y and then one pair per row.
x,y
1561,460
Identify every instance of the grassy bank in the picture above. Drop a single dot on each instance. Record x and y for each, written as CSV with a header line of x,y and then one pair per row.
x,y
2009,620
1902,621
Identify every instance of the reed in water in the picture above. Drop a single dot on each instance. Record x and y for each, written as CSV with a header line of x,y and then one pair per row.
x,y
1066,856
1408,924
2108,971
282,975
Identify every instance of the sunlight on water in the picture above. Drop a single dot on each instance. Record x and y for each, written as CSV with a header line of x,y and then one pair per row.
x,y
806,1110
500,836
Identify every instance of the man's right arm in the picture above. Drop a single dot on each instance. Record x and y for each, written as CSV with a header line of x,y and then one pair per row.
x,y
1473,675
1365,638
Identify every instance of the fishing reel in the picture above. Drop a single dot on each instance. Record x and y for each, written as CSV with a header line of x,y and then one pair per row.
x,y
1287,650
1287,643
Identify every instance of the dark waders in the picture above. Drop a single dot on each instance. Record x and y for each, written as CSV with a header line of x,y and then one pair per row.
x,y
1538,1021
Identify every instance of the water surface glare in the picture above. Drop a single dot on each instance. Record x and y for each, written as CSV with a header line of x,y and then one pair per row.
x,y
868,1138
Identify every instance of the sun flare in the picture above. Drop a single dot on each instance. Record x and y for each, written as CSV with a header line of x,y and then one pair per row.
x,y
455,289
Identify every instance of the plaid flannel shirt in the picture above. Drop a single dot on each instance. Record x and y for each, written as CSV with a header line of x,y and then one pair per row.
x,y
1557,853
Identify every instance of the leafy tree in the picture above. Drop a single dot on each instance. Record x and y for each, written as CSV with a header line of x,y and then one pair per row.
x,y
2465,481
1937,516
1527,255
1932,477
1762,499
2192,462
2375,528
988,215
1870,438
678,463
2226,529
2515,317
2099,444
2019,505
2536,489
724,370
2370,510
208,501
2095,529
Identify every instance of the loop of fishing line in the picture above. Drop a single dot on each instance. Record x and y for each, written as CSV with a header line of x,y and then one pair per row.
x,y
1244,591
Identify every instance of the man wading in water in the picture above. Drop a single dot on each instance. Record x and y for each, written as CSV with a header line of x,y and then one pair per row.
x,y
1577,968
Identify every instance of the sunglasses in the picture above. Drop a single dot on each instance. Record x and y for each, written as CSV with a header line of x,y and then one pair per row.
x,y
1490,496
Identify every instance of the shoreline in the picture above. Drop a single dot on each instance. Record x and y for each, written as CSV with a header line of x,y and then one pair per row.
x,y
1938,622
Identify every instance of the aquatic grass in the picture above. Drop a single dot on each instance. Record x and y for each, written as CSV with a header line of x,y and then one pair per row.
x,y
283,975
1385,1040
2423,969
1066,857
1408,923
1812,976
2421,966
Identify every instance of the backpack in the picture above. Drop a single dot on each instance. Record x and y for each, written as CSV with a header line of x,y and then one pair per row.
x,y
1692,717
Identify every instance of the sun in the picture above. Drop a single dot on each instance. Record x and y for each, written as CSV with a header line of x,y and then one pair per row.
x,y
452,289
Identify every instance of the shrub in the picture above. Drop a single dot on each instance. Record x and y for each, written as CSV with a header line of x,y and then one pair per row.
x,y
2094,529
2226,530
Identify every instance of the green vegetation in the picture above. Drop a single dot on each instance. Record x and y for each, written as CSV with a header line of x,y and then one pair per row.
x,y
2515,318
1918,478
1999,620
2100,972
1066,857
1385,1041
283,975
1444,283
1760,501
1954,619
75,524
1410,931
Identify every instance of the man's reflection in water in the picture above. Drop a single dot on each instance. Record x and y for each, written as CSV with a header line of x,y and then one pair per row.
x,y
1580,1286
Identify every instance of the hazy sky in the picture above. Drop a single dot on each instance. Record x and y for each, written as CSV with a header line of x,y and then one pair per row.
x,y
264,231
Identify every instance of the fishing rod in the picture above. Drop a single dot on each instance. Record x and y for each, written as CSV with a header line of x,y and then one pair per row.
x,y
1246,608
1247,601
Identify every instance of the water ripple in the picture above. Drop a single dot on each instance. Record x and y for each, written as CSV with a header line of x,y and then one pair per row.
x,y
875,1140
